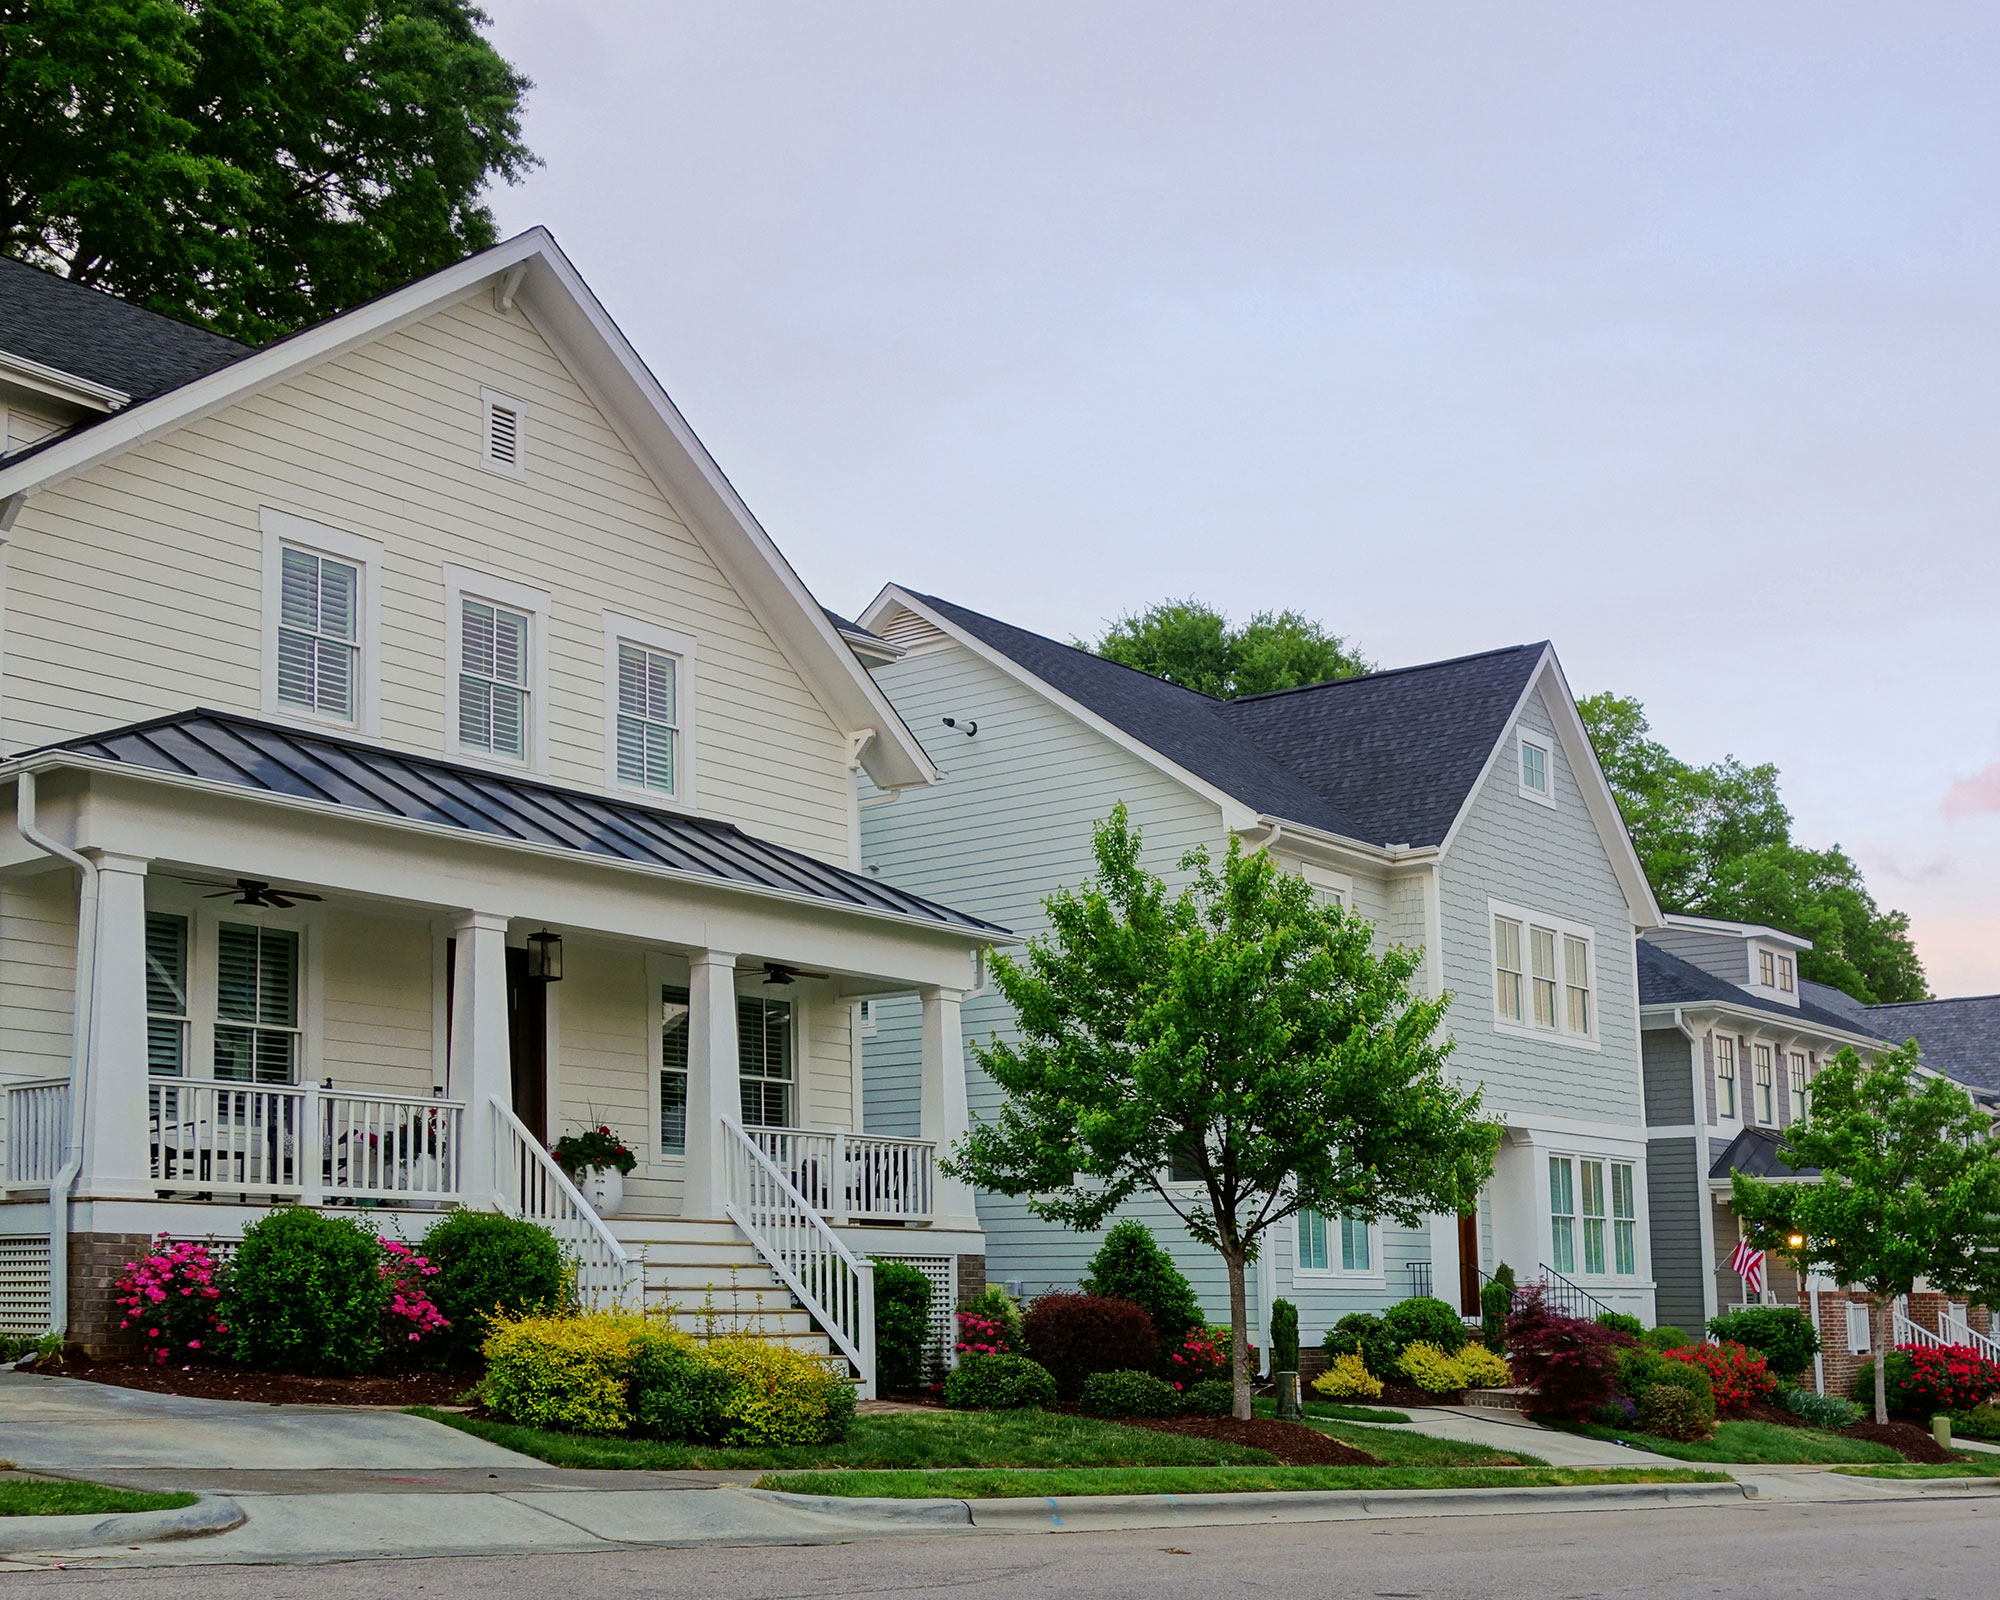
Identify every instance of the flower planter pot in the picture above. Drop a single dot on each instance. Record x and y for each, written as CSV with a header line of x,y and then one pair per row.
x,y
604,1188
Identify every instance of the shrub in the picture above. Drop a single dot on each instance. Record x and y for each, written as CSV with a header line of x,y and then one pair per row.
x,y
1617,1412
490,1264
1421,1319
1923,1381
1980,1422
1479,1368
1496,1305
1130,1265
570,1373
1664,1338
1363,1334
779,1395
171,1297
1284,1336
980,1336
1346,1378
1200,1357
675,1391
1212,1397
999,1383
1784,1334
410,1317
1669,1412
1641,1370
996,1305
1431,1369
902,1326
1074,1335
1821,1410
1737,1374
1619,1322
306,1294
1129,1394
1570,1364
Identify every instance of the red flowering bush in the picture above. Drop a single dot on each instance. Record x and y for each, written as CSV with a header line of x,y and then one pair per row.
x,y
170,1297
1570,1363
1200,1357
981,1335
1925,1379
1738,1374
410,1315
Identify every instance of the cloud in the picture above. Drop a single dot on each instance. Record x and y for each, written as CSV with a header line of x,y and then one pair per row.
x,y
1970,796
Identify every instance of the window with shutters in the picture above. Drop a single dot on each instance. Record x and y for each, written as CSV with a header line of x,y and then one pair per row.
x,y
256,1004
503,446
1725,1076
673,1070
166,995
649,703
1543,975
764,1060
493,679
319,639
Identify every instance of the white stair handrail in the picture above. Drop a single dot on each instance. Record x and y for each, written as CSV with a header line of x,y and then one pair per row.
x,y
829,1280
1904,1331
1959,1331
528,1182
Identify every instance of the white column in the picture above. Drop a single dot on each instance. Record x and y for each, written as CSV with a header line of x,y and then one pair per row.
x,y
943,1114
714,1080
117,1155
482,1067
1444,1260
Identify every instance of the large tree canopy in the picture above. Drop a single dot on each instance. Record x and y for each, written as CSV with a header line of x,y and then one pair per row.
x,y
251,165
1716,841
1197,647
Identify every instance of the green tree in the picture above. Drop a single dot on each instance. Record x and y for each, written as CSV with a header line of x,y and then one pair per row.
x,y
1238,1031
1716,841
1909,1188
251,165
1195,646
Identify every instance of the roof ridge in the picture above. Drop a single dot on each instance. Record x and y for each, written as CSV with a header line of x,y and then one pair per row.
x,y
1935,1000
1387,672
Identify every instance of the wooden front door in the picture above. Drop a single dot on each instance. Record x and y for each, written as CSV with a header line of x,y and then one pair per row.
x,y
528,1044
1468,1264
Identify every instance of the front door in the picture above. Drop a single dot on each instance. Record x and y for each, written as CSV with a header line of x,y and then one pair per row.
x,y
528,1044
1468,1264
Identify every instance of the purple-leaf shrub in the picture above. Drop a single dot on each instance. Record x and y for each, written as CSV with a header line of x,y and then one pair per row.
x,y
1570,1363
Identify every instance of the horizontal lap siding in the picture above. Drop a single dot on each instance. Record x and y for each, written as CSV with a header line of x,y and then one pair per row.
x,y
37,974
603,1038
1675,1195
1669,1078
137,588
378,1004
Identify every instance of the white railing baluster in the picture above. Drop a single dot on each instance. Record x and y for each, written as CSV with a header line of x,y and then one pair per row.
x,y
1907,1332
1959,1331
37,1131
531,1185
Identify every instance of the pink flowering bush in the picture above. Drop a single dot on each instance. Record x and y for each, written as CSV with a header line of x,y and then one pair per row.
x,y
170,1297
1201,1356
409,1316
981,1335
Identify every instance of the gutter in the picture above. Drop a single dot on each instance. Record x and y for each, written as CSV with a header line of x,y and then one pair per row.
x,y
80,1047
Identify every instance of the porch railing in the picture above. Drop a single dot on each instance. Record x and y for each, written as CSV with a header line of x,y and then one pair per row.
x,y
1903,1331
1958,1331
528,1183
791,1234
37,1131
855,1177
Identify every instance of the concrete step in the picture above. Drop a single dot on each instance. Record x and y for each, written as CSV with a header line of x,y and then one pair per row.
x,y
717,1257
674,1230
1498,1399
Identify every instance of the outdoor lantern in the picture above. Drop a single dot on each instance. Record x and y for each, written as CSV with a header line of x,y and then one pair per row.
x,y
1797,1241
545,957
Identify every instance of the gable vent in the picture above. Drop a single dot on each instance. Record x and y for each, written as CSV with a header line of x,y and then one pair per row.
x,y
908,631
503,434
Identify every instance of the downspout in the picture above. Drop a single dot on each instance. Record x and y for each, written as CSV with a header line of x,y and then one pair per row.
x,y
79,1046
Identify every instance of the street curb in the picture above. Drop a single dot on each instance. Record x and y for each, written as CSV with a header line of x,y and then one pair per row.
x,y
855,1508
212,1513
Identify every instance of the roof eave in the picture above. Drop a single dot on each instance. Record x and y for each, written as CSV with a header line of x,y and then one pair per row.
x,y
1669,1012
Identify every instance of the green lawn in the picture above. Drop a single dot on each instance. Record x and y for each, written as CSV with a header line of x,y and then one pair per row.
x,y
1336,1413
31,1497
1917,1469
1396,1448
1752,1443
982,1485
900,1439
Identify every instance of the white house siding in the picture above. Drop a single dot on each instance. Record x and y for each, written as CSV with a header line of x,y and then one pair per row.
x,y
136,588
380,1004
37,976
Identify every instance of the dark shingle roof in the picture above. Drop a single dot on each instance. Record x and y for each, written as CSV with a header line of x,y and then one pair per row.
x,y
1958,1037
1387,759
1754,1153
267,759
47,319
1666,980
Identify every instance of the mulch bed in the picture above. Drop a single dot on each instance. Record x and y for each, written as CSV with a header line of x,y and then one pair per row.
x,y
1912,1441
1292,1443
273,1388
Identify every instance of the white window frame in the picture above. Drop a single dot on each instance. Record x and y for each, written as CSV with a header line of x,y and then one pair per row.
x,y
465,583
1764,1082
1860,1335
282,528
203,982
662,972
1545,796
866,1018
1798,1084
518,468
1562,929
1329,888
1573,1215
651,636
1787,975
1333,1273
1733,1112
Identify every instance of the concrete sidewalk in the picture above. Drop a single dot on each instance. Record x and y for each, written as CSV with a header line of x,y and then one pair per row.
x,y
1509,1430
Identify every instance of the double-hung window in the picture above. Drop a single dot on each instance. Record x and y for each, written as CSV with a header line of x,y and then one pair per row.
x,y
1542,974
166,994
1562,1212
1594,1217
256,1004
764,1060
1796,1084
1785,983
1763,1076
1725,1076
648,717
319,633
1312,1242
673,1070
1507,968
1624,1219
493,679
1576,984
1542,960
1349,1241
1767,969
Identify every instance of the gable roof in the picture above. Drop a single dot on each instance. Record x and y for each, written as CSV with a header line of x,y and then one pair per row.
x,y
1667,980
1959,1037
326,770
530,272
107,342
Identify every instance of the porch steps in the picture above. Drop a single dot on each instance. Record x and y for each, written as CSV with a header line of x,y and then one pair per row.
x,y
713,1282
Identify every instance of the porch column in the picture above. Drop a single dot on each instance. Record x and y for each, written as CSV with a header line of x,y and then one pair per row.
x,y
117,1155
481,1055
1445,1277
943,1117
714,1080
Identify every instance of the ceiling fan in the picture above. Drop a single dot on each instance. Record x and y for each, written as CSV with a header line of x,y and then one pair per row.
x,y
254,892
777,974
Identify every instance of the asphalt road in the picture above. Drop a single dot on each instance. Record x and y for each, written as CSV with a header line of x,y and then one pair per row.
x,y
1882,1551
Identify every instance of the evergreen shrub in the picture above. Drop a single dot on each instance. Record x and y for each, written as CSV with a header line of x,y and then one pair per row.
x,y
306,1294
999,1383
1784,1334
1422,1319
1364,1334
902,1326
1284,1336
489,1264
1664,1337
1130,1265
1430,1368
1347,1378
997,1306
1129,1394
1496,1305
1669,1412
1212,1397
1620,1322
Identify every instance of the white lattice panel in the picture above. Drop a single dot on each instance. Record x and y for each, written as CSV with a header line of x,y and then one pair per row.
x,y
942,1271
24,1283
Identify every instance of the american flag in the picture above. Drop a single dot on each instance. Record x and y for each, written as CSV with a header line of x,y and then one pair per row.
x,y
1748,1264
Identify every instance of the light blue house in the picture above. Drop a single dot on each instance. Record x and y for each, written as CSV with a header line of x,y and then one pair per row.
x,y
1458,806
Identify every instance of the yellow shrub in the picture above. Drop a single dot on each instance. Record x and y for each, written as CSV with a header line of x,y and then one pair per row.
x,y
1479,1368
1348,1379
1429,1368
570,1373
779,1395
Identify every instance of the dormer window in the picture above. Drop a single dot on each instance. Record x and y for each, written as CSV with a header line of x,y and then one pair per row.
x,y
1536,764
1785,981
1767,969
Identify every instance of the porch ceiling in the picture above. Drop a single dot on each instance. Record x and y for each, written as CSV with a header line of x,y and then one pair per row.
x,y
356,777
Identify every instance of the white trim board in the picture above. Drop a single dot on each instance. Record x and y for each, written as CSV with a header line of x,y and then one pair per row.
x,y
281,528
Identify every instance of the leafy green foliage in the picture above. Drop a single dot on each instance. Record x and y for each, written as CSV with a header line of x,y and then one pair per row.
x,y
1421,1319
1128,1394
1784,1334
491,1264
1670,1413
1570,1364
1820,1410
1664,1337
1239,1027
999,1383
1496,1305
1716,841
1641,1370
1284,1336
1619,1322
251,165
1130,1265
1363,1334
306,1294
902,1325
1212,1397
1074,1335
676,1392
998,1306
1195,646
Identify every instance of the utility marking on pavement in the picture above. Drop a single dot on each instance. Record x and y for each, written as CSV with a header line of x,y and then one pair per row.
x,y
1055,1517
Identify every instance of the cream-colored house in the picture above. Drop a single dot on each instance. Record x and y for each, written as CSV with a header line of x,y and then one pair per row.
x,y
414,750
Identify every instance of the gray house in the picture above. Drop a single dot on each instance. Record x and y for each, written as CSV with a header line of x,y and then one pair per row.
x,y
1458,806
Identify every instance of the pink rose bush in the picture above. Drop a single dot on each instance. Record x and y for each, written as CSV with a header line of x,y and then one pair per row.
x,y
410,1315
171,1297
1200,1357
980,1335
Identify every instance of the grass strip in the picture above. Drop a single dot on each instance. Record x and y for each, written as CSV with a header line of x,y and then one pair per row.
x,y
1333,1412
1752,1443
1921,1469
989,1485
1397,1448
885,1441
36,1497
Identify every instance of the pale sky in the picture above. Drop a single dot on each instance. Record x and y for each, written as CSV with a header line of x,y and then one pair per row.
x,y
1666,333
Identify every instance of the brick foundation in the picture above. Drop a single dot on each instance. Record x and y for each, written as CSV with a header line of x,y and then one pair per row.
x,y
96,1262
971,1278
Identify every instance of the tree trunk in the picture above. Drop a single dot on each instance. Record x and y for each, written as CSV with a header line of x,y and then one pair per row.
x,y
1239,1331
1878,1313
